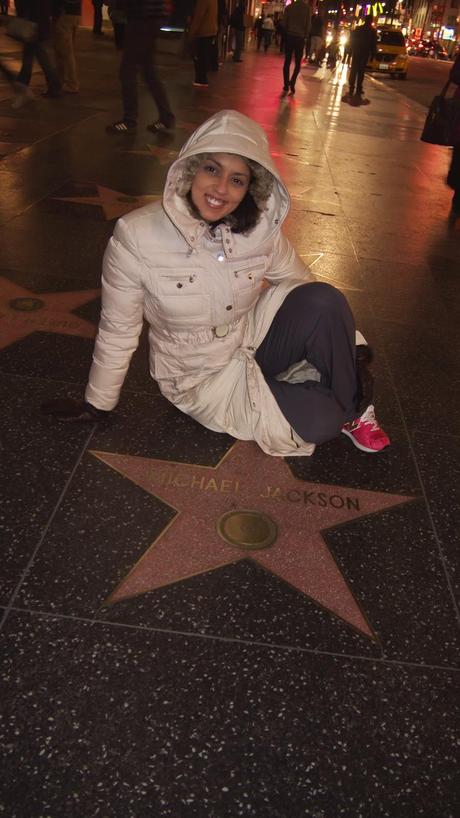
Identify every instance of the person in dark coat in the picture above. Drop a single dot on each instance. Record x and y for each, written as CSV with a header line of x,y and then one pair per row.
x,y
316,40
237,24
453,178
67,17
39,11
118,19
296,27
363,47
97,19
144,18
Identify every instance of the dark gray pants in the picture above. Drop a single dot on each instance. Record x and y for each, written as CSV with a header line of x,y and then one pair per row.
x,y
292,46
139,53
314,323
38,51
357,70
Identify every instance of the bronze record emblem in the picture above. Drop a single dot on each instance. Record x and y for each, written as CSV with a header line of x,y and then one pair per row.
x,y
26,304
247,529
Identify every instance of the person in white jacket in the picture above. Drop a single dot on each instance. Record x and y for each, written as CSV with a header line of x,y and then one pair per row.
x,y
241,337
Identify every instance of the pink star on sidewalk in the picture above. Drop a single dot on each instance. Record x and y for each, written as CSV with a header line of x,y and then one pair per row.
x,y
23,312
247,480
113,203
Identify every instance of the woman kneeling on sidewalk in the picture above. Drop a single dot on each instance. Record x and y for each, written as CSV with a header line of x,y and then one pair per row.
x,y
241,338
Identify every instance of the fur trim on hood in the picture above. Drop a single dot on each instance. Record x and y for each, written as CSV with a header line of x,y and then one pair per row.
x,y
229,132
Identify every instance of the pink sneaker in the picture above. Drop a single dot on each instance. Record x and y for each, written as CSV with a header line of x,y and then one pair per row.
x,y
366,433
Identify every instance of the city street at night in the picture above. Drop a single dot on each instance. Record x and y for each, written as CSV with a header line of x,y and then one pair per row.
x,y
191,627
425,78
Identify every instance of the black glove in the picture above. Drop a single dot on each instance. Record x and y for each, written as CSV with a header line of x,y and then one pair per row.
x,y
68,410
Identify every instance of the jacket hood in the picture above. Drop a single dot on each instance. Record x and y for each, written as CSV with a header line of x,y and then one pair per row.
x,y
227,132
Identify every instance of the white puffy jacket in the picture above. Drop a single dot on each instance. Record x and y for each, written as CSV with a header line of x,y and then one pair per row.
x,y
207,301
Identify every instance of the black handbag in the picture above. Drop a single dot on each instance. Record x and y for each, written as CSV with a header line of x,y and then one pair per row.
x,y
442,124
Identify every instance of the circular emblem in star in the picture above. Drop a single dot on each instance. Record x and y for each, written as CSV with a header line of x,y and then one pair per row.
x,y
26,304
246,529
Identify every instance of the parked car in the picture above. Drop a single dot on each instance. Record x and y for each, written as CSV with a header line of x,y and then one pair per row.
x,y
427,48
391,55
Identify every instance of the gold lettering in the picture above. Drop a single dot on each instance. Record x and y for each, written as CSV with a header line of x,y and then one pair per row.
x,y
293,496
195,483
179,481
211,485
272,492
226,486
162,478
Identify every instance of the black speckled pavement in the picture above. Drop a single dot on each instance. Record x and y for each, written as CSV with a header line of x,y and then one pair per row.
x,y
154,667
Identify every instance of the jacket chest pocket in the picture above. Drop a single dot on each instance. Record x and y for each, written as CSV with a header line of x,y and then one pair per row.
x,y
180,303
247,282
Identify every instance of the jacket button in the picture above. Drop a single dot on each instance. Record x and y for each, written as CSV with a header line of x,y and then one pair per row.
x,y
229,307
179,285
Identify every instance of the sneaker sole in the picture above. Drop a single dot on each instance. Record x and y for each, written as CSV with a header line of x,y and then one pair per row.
x,y
360,445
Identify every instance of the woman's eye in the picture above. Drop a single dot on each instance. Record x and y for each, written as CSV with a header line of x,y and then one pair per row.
x,y
237,181
210,168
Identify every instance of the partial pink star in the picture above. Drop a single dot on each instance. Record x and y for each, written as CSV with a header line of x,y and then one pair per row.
x,y
113,203
23,312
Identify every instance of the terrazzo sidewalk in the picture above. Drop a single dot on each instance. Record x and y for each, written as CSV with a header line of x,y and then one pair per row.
x,y
314,675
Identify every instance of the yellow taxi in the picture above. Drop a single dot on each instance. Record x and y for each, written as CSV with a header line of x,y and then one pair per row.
x,y
391,57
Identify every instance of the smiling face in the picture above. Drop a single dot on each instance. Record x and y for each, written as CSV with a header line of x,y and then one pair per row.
x,y
219,185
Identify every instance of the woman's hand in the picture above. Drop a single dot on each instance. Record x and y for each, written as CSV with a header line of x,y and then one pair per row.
x,y
68,410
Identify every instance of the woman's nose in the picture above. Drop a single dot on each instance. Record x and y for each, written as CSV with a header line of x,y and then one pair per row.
x,y
221,184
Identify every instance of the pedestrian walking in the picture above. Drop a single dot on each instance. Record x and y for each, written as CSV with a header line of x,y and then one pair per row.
x,y
258,31
39,11
218,43
317,30
237,25
203,34
22,93
453,178
97,18
67,17
268,29
142,28
296,27
117,14
363,47
333,49
233,312
4,6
